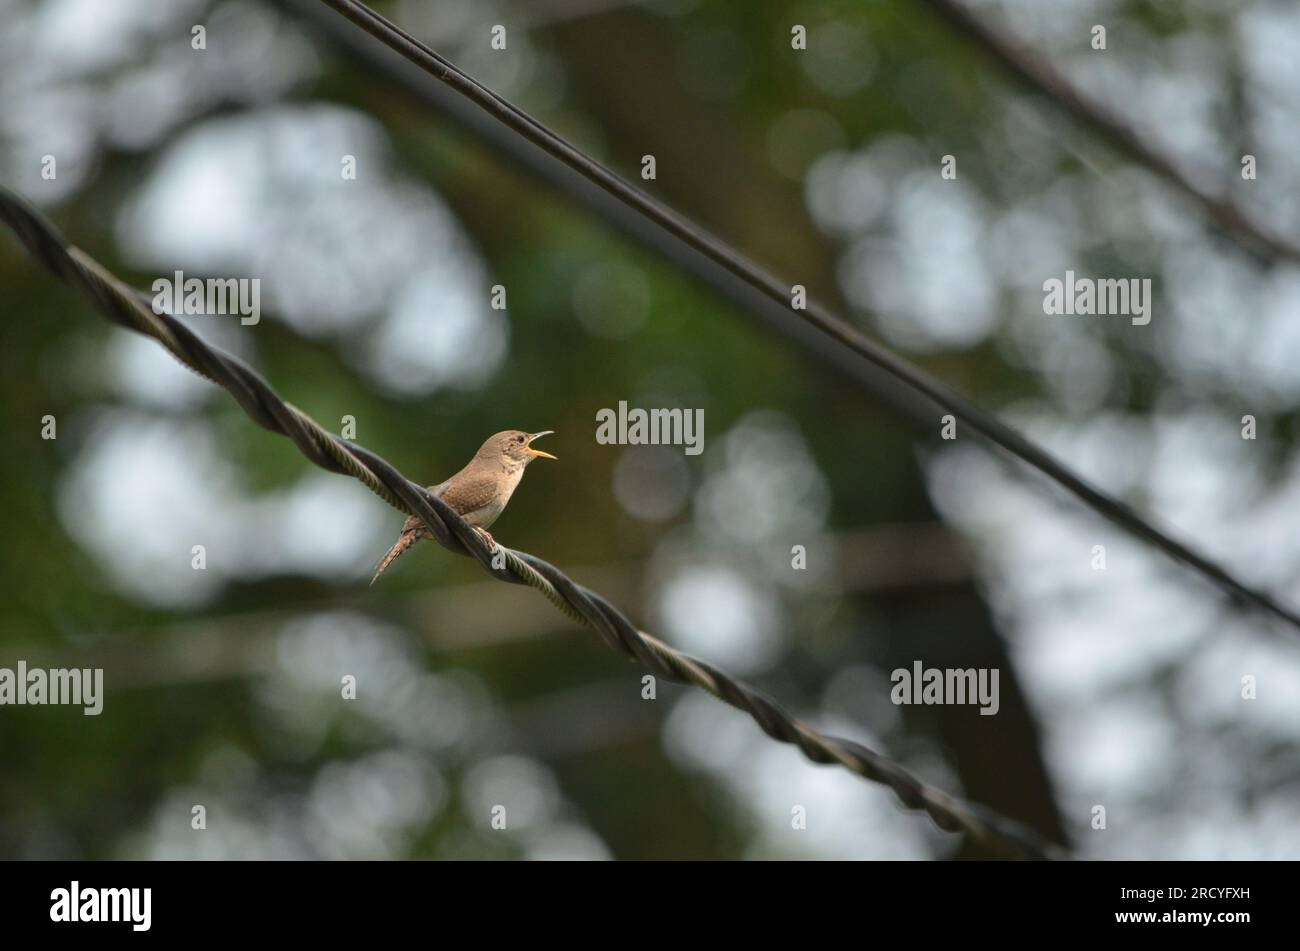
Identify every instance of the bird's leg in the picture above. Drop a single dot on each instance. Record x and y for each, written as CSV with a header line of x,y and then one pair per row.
x,y
492,542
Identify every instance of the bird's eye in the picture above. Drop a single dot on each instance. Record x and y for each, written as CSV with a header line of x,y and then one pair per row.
x,y
519,439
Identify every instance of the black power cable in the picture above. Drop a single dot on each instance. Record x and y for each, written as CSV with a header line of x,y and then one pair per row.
x,y
815,315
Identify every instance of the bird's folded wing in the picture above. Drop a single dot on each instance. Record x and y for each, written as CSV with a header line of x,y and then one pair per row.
x,y
468,493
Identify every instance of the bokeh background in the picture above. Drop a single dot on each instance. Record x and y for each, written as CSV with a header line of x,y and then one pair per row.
x,y
1119,687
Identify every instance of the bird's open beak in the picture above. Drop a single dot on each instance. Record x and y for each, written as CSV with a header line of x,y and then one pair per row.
x,y
538,452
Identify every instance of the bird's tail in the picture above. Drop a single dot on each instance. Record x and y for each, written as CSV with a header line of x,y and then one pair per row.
x,y
404,541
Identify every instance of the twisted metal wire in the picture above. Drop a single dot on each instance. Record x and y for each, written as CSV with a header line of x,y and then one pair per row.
x,y
912,378
126,307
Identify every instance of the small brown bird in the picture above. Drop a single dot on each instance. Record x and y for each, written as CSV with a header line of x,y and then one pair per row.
x,y
480,491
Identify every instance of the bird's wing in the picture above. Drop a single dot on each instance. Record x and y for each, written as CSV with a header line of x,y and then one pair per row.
x,y
469,493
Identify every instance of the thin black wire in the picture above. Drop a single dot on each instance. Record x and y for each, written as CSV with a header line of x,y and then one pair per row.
x,y
124,306
407,79
815,314
1036,73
